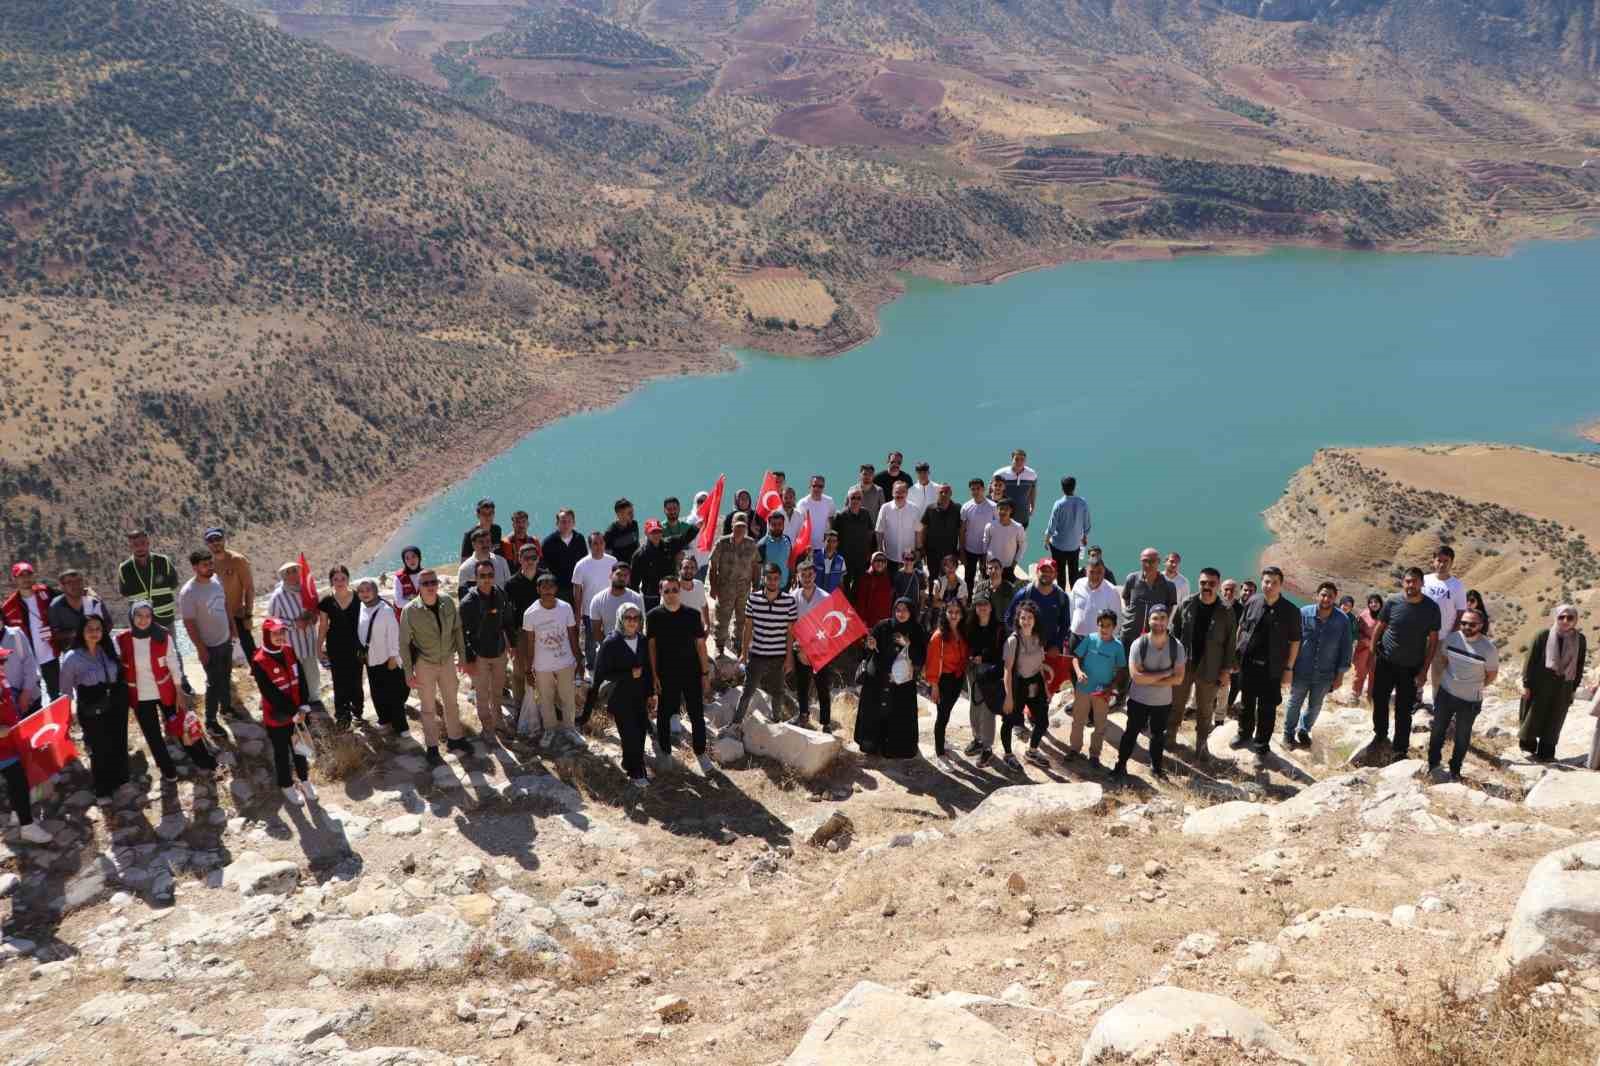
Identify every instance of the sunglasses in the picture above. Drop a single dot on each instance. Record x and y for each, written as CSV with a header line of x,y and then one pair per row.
x,y
428,582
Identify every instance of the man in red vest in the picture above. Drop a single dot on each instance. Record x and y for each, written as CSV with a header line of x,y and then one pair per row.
x,y
28,609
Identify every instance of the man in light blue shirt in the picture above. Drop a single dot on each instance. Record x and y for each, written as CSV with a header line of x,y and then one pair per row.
x,y
776,547
1068,531
1325,650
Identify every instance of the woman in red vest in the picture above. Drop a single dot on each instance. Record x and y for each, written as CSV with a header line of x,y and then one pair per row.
x,y
283,699
154,671
405,578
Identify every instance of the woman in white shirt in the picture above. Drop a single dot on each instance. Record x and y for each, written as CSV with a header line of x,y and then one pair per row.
x,y
158,692
378,636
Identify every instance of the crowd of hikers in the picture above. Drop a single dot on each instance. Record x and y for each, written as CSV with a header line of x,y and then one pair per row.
x,y
631,616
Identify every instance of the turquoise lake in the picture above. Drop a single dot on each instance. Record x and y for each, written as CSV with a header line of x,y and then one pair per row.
x,y
1182,394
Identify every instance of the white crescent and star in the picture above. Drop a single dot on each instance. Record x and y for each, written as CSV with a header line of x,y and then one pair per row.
x,y
41,738
844,623
771,494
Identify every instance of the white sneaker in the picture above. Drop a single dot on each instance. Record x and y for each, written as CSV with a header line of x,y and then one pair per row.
x,y
291,796
34,833
309,791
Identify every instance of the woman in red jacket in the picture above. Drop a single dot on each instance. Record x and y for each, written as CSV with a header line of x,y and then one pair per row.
x,y
283,699
946,670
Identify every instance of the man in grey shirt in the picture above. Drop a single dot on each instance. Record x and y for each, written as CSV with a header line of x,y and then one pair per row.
x,y
203,609
1155,666
1470,663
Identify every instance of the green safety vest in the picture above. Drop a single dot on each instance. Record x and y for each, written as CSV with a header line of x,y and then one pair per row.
x,y
158,584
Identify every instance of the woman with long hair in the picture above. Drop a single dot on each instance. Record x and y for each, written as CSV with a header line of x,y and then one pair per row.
x,y
622,668
1361,660
1475,603
338,623
984,636
1025,686
92,676
947,667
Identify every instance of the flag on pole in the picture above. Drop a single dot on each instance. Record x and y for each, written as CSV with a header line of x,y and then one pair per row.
x,y
308,586
802,542
44,741
711,516
828,629
770,499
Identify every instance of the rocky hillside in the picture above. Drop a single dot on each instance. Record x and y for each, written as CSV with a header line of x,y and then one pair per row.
x,y
1519,519
808,905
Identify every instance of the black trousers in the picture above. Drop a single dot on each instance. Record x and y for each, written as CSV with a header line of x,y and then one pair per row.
x,y
346,670
246,642
1140,717
152,715
219,680
51,672
681,690
388,694
950,686
1401,683
633,721
106,736
971,565
1067,563
284,758
804,678
1027,693
17,790
1261,692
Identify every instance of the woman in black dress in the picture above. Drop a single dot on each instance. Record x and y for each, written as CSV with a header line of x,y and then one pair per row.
x,y
341,643
623,664
886,723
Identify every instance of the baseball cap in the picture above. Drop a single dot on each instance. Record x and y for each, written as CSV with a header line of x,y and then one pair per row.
x,y
1045,564
651,526
214,533
18,569
1157,608
485,502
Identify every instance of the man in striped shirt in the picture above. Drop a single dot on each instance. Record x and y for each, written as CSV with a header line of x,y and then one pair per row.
x,y
767,651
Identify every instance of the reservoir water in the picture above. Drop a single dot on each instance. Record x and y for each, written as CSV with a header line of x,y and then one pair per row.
x,y
1182,394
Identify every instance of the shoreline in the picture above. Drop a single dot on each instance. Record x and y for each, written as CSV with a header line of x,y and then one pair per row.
x,y
400,497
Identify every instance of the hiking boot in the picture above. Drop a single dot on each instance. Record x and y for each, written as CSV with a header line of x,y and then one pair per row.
x,y
985,757
943,762
1238,742
639,782
342,720
309,791
972,750
214,727
1261,747
434,758
1119,775
1037,758
1455,775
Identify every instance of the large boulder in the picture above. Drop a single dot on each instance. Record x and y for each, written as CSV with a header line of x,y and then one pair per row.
x,y
252,874
427,941
804,751
1560,789
1142,1025
1223,818
877,1026
1004,806
1556,922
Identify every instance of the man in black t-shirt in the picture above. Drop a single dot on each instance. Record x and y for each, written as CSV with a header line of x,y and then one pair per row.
x,y
886,478
622,536
485,521
1403,645
677,638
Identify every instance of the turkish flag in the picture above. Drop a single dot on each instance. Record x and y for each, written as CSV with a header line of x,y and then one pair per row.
x,y
1057,671
711,516
802,542
828,629
769,499
308,586
44,743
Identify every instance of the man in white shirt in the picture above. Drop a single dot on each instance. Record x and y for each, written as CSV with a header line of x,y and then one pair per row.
x,y
808,594
1005,540
923,491
1091,594
897,527
1022,486
1450,594
976,514
819,507
1179,582
592,574
482,552
550,644
378,633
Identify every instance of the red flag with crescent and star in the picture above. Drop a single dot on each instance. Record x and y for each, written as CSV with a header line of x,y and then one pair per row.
x,y
711,516
44,741
1057,671
828,629
802,542
770,498
308,586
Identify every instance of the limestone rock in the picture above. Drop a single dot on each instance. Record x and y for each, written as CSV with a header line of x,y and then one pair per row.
x,y
873,1026
404,825
425,941
549,790
304,1025
806,752
671,1008
1198,946
1144,1023
1560,789
726,750
1260,960
111,1006
1556,922
252,875
1004,806
1223,818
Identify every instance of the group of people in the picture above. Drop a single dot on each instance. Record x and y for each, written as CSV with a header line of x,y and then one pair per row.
x,y
942,589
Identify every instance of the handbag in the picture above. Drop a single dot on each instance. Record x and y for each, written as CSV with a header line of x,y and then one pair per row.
x,y
303,744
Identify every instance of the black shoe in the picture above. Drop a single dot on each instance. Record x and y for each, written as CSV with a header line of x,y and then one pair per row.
x,y
1455,775
1119,774
342,720
461,744
1261,747
1159,775
1400,755
985,757
1238,742
1303,739
434,758
214,727
1289,741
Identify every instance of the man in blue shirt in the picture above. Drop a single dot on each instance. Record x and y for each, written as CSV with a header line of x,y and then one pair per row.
x,y
1054,609
1068,531
829,564
1325,650
776,547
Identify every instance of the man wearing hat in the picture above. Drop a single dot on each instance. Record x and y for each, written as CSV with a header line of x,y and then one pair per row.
x,y
238,586
652,563
149,576
28,609
732,572
1053,609
486,522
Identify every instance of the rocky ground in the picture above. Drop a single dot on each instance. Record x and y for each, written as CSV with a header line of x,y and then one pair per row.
x,y
526,906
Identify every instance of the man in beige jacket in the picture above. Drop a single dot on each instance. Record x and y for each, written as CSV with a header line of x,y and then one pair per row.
x,y
432,651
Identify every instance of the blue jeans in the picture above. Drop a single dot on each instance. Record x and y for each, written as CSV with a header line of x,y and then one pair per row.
x,y
1310,695
1451,714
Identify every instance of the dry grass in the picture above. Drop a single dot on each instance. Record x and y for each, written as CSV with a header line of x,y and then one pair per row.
x,y
586,965
787,295
1442,1027
342,756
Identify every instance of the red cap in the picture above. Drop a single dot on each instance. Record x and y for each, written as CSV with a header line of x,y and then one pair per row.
x,y
1045,563
18,569
272,625
651,526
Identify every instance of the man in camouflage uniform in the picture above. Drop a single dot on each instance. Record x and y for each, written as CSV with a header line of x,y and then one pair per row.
x,y
732,575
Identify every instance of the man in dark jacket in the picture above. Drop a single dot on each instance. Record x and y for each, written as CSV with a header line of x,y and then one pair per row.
x,y
653,562
858,537
1268,643
484,614
562,551
521,592
1207,628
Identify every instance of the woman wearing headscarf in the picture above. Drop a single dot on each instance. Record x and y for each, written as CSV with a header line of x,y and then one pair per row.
x,y
405,578
91,675
623,664
11,766
755,525
985,639
886,723
301,629
280,678
874,593
378,635
155,677
339,614
1550,678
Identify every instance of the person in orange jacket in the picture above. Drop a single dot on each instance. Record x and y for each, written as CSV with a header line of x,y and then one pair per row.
x,y
946,670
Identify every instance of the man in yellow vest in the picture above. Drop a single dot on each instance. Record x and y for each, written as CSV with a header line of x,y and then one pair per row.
x,y
145,575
